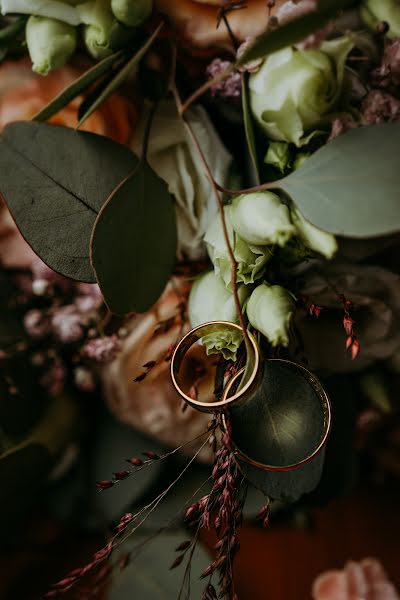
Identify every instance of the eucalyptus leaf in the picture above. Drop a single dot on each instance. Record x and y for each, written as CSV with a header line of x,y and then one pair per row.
x,y
294,31
134,242
281,425
351,185
55,181
248,125
78,86
121,76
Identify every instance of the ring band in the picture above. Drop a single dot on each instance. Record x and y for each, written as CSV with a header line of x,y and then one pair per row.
x,y
251,375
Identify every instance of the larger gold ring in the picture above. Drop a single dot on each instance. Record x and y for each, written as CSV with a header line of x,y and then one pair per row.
x,y
250,376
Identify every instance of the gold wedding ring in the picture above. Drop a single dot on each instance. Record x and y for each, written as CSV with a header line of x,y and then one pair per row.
x,y
249,378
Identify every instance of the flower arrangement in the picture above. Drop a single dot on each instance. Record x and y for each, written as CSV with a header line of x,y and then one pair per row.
x,y
222,176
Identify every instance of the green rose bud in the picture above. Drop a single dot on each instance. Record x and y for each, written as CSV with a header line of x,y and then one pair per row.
x,y
374,12
270,310
210,300
102,33
250,259
314,238
261,219
295,89
278,155
53,9
132,12
50,43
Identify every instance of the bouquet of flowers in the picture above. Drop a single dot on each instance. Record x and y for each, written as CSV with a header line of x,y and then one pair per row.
x,y
213,227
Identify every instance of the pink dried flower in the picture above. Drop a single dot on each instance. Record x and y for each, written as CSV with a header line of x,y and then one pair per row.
x,y
84,380
67,325
54,378
380,107
36,324
89,298
389,71
230,87
103,349
341,125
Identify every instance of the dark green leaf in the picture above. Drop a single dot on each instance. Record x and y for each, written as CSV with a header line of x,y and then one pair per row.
x,y
134,242
248,125
55,181
78,86
294,31
281,425
121,76
11,31
351,185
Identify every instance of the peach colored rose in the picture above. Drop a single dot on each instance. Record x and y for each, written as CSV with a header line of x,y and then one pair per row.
x,y
365,580
153,405
195,21
22,95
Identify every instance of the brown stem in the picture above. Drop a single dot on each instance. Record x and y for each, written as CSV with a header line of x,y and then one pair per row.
x,y
223,222
206,86
269,185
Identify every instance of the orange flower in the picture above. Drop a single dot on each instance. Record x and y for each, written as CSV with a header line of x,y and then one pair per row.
x,y
196,21
152,404
22,95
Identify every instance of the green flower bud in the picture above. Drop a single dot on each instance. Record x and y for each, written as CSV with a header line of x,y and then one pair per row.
x,y
374,12
295,89
50,43
270,310
278,155
99,27
314,238
132,12
250,259
53,9
210,300
261,219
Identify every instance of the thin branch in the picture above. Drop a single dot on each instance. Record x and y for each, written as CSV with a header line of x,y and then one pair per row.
x,y
206,86
269,185
223,222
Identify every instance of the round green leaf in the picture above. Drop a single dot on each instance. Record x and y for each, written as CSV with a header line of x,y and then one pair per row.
x,y
134,242
351,185
55,181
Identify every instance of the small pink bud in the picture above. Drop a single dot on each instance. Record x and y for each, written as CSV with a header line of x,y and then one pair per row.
x,y
120,475
151,455
348,323
191,511
176,562
136,462
105,484
150,364
140,377
183,546
355,349
349,341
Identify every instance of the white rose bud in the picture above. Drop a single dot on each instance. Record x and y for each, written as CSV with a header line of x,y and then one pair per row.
x,y
102,33
132,12
270,310
374,12
314,238
50,42
250,259
261,218
295,89
210,300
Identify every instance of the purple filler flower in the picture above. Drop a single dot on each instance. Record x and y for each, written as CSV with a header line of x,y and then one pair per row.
x,y
230,87
103,349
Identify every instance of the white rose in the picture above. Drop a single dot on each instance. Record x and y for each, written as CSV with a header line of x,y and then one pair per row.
x,y
175,158
314,238
295,89
270,310
261,218
210,300
250,259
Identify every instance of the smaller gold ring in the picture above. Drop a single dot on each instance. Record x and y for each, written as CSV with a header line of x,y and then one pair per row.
x,y
195,335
